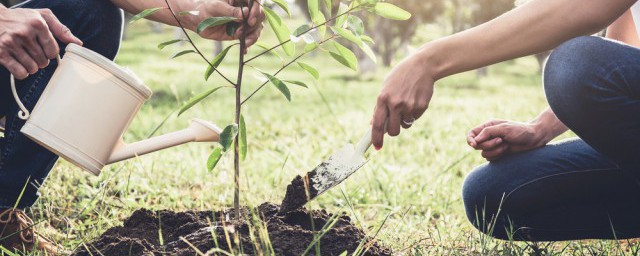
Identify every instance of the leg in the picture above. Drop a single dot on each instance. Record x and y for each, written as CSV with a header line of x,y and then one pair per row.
x,y
563,191
593,86
98,24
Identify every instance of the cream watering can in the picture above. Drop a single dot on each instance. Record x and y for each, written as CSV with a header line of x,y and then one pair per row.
x,y
87,107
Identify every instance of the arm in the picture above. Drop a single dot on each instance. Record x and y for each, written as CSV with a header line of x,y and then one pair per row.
x,y
531,28
206,9
624,30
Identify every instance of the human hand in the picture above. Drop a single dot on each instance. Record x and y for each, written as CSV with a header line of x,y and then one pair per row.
x,y
499,138
227,8
27,39
404,98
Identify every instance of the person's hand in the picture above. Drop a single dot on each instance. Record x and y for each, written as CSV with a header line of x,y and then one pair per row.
x,y
499,138
27,39
227,8
404,98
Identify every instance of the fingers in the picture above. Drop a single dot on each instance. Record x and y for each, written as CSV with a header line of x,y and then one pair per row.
x,y
13,66
25,60
496,153
491,132
378,124
58,29
490,144
395,118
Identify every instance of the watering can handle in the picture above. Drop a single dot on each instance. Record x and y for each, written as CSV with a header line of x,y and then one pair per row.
x,y
24,112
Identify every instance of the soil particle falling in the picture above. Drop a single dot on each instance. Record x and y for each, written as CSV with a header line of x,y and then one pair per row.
x,y
299,192
290,233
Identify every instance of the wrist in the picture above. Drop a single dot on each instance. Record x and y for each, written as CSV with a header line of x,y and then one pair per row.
x,y
189,21
541,132
430,59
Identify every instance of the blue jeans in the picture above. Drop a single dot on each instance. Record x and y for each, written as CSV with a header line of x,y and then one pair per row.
x,y
582,188
98,23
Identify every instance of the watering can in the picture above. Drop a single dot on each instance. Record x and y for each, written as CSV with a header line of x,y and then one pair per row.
x,y
86,108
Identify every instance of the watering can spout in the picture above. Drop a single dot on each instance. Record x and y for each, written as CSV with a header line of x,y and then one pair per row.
x,y
198,131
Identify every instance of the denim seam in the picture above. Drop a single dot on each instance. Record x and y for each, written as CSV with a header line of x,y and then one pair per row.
x,y
10,136
555,175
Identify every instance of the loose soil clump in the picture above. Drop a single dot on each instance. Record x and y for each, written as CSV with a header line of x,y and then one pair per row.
x,y
299,192
148,232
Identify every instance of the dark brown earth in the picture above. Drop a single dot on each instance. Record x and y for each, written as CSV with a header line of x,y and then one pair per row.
x,y
299,192
290,233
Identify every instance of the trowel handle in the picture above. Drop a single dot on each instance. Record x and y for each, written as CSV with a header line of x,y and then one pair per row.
x,y
364,143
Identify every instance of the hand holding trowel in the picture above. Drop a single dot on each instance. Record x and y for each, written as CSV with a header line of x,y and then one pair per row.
x,y
328,174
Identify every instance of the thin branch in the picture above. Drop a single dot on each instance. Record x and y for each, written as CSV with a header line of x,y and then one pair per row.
x,y
283,68
306,31
193,44
236,145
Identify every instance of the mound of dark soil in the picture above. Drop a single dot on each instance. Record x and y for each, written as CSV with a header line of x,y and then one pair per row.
x,y
148,232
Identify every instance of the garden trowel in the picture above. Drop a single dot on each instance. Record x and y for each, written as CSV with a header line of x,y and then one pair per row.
x,y
328,174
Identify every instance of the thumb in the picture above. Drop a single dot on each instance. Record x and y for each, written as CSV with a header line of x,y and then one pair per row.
x,y
59,30
236,12
489,133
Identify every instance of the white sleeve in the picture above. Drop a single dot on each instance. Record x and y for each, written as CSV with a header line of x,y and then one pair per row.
x,y
635,12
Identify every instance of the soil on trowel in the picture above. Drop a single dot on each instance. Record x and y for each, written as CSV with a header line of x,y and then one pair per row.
x,y
299,192
148,232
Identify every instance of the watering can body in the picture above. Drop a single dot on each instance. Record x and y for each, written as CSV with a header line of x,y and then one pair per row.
x,y
87,107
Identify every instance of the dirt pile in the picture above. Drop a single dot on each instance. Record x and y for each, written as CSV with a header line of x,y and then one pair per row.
x,y
148,232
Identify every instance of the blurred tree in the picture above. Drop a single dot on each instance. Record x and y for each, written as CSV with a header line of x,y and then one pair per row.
x,y
392,36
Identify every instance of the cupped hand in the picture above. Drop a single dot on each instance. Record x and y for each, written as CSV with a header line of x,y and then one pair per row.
x,y
405,96
229,8
28,39
499,138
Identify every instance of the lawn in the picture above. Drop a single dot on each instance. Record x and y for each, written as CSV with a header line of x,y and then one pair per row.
x,y
415,180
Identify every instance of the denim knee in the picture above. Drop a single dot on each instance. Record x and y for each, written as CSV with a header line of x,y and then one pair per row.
x,y
481,198
571,76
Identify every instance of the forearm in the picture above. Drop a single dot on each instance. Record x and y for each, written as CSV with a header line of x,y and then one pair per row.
x,y
537,26
163,16
548,126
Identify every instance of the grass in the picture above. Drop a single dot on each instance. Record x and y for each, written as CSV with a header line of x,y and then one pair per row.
x,y
413,185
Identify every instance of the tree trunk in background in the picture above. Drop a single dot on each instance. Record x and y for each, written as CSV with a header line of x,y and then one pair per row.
x,y
482,72
217,48
542,57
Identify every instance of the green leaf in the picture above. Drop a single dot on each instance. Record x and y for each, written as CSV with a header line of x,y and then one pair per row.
x,y
367,50
301,30
283,5
227,136
194,13
242,138
342,19
281,30
297,83
214,158
197,99
311,70
232,27
347,34
182,53
280,85
266,47
314,8
328,4
144,14
216,62
167,43
310,47
390,11
367,39
212,22
345,56
355,24
320,19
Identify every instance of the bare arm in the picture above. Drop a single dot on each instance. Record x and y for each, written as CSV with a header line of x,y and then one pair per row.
x,y
534,27
205,9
